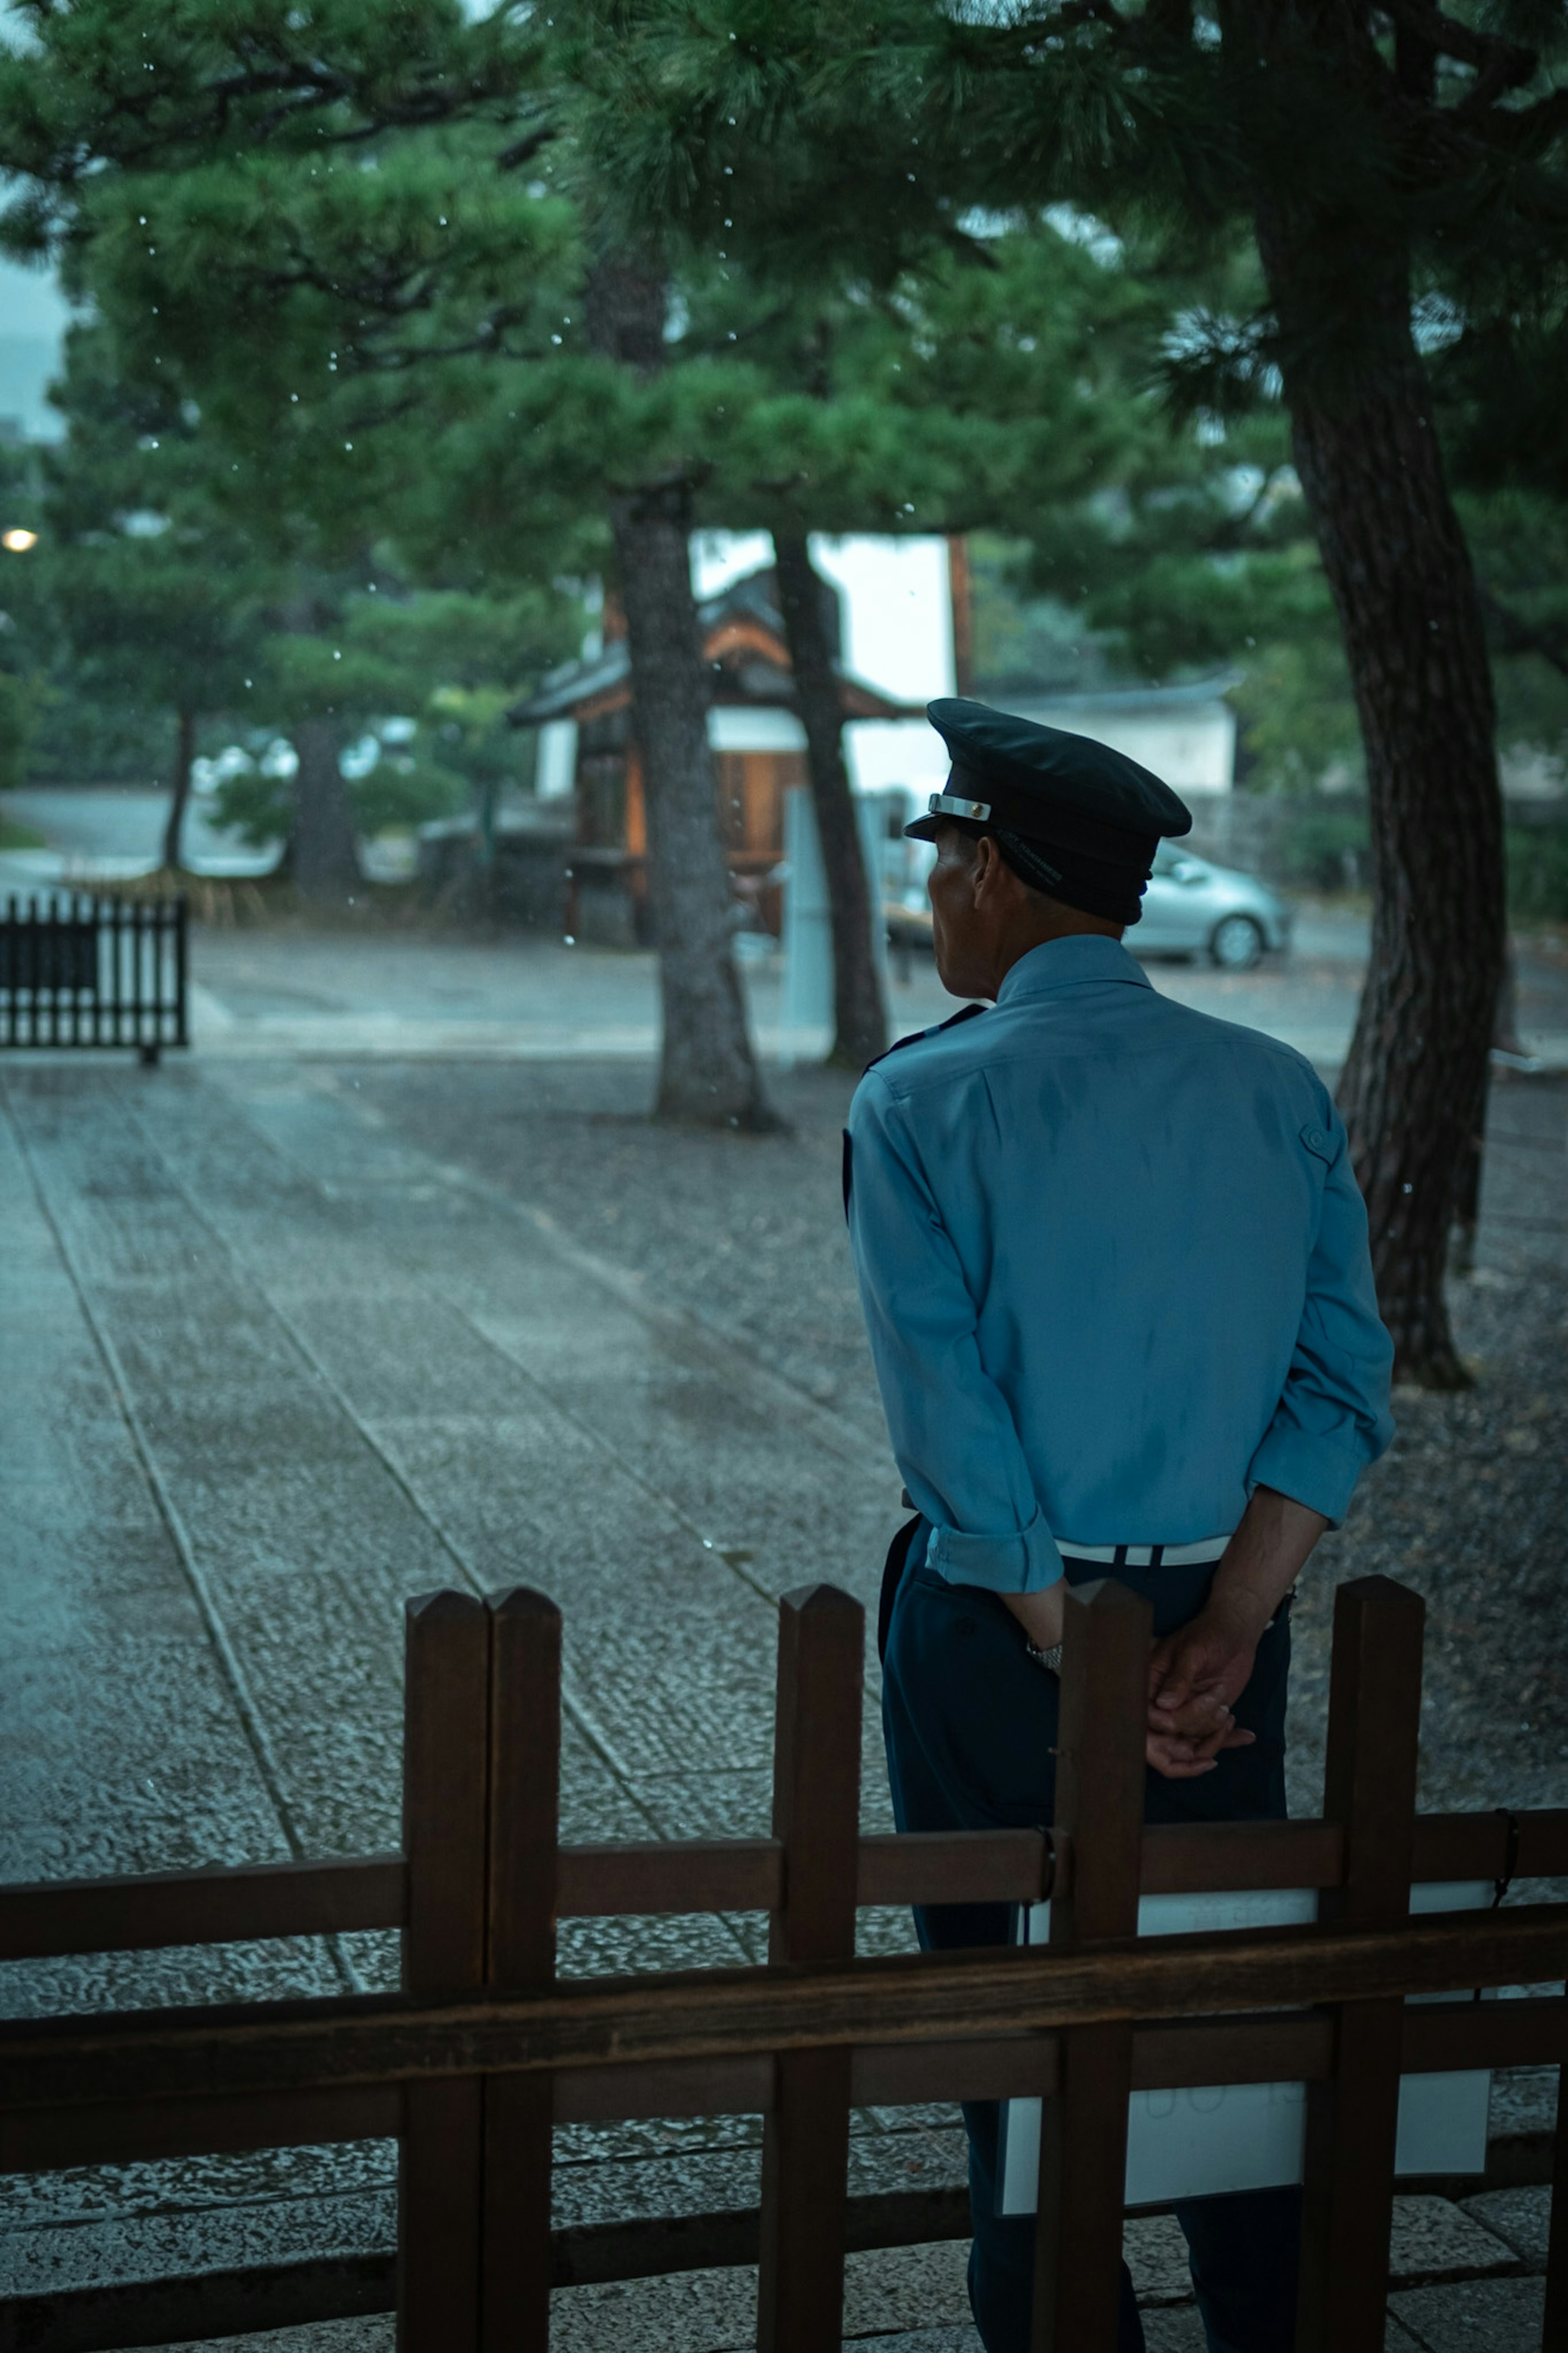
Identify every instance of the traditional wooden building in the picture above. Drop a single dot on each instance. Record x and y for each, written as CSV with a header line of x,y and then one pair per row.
x,y
754,727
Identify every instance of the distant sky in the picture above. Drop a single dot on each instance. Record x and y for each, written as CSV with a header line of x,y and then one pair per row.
x,y
31,304
897,617
32,319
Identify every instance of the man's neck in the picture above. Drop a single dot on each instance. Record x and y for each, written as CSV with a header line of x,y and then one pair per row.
x,y
1052,923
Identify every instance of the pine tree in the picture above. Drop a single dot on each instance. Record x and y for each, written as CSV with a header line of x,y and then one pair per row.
x,y
319,224
158,595
962,397
1377,155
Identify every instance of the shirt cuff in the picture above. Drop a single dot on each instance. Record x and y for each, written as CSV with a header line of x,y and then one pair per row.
x,y
1320,1472
1024,1563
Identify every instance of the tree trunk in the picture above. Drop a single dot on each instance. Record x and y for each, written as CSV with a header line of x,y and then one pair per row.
x,y
324,854
1414,1089
707,1071
859,1017
180,796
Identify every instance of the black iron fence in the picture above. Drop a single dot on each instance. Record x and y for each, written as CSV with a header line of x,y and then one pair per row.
x,y
79,970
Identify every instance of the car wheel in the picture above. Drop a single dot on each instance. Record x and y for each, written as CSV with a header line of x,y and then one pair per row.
x,y
1236,943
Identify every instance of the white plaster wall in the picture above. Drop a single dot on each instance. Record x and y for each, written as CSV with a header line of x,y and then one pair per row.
x,y
556,774
898,612
898,617
733,728
1191,747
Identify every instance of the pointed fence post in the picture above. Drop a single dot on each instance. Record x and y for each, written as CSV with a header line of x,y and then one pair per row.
x,y
1369,1789
1554,2328
816,1815
1100,1808
445,1781
524,1799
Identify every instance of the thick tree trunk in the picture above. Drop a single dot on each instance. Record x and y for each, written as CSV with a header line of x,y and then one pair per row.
x,y
859,1016
180,796
707,1072
1414,1090
324,854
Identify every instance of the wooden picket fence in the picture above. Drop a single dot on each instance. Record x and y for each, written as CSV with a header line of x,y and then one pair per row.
x,y
78,968
486,2048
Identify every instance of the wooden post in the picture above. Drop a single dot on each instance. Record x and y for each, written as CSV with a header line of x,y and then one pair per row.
x,y
816,1817
440,2165
1369,1789
1555,2330
524,1802
1100,1808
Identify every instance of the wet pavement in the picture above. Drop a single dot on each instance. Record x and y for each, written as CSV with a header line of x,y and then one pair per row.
x,y
302,1336
408,993
283,1371
102,833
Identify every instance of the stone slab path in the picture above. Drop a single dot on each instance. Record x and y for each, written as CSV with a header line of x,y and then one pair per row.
x,y
271,1368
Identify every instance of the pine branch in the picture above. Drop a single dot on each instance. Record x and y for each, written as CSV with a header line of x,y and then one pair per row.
x,y
525,150
1518,636
975,250
487,342
1525,127
1500,65
716,346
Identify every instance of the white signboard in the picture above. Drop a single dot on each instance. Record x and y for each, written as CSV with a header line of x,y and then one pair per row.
x,y
807,1007
1214,2138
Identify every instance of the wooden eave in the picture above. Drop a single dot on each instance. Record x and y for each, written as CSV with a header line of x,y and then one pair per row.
x,y
603,706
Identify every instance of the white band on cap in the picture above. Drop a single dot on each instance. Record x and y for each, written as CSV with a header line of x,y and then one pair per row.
x,y
948,805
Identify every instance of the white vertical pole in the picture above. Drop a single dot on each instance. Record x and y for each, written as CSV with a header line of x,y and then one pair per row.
x,y
807,998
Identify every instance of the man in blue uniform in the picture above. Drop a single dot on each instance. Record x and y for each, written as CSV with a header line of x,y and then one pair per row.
x,y
1115,1273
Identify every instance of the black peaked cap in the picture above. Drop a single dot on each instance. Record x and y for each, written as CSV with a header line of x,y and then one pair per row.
x,y
1049,785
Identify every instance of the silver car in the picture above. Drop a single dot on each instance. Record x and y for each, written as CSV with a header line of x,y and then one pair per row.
x,y
1191,907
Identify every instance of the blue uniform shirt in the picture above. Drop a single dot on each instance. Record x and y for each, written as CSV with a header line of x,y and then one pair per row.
x,y
1115,1272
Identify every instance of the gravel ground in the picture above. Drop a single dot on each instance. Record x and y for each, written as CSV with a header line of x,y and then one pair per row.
x,y
1470,1505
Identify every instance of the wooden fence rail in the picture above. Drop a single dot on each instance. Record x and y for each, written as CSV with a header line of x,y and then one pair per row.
x,y
486,2049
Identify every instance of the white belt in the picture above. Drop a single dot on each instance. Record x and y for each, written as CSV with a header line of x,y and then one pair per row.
x,y
1187,1556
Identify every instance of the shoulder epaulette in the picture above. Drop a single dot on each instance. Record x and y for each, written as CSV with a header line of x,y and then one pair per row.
x,y
918,1036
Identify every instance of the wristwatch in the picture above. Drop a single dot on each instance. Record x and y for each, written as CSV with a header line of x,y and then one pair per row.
x,y
1050,1660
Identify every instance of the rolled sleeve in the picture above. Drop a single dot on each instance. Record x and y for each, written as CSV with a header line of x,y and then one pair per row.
x,y
1023,1562
952,1430
1333,1417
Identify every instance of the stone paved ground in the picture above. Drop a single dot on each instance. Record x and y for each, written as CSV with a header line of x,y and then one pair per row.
x,y
298,1340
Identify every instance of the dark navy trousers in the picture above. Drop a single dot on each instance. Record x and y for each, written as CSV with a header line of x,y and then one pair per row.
x,y
970,1722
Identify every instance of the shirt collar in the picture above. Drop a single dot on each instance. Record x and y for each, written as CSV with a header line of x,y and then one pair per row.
x,y
1068,962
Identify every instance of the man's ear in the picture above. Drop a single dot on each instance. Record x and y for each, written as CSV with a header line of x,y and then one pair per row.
x,y
989,868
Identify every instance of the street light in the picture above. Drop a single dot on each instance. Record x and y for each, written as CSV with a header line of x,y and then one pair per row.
x,y
20,542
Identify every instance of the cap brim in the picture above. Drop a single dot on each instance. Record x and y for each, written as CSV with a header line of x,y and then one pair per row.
x,y
924,829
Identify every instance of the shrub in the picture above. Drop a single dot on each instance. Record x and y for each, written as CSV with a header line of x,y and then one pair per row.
x,y
1538,873
16,729
400,792
1323,849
